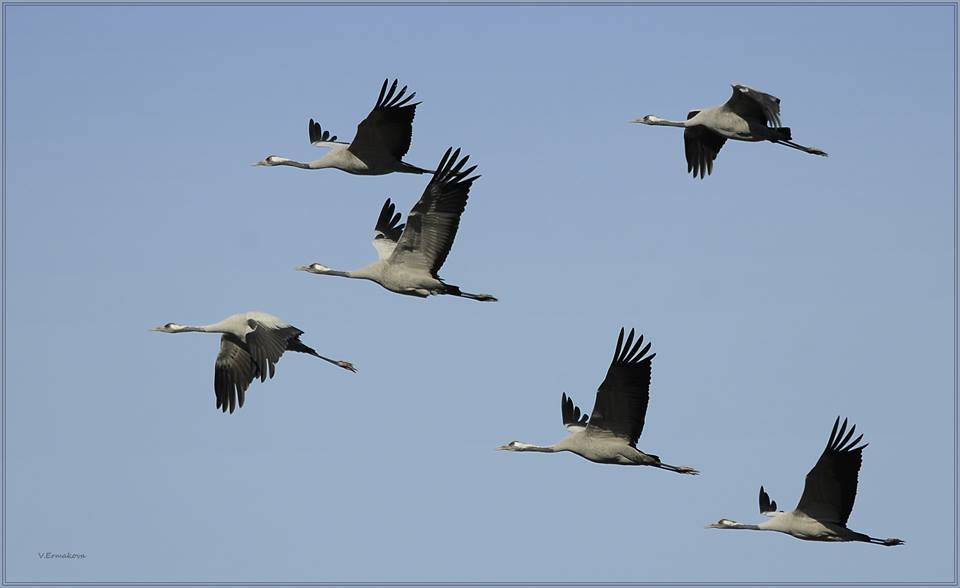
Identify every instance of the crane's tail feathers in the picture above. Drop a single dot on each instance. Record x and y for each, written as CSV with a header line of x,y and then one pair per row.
x,y
678,469
412,169
456,291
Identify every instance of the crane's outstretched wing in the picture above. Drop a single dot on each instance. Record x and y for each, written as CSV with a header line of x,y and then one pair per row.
x,y
233,373
387,231
701,146
386,132
572,418
433,222
267,344
321,138
831,485
622,398
767,507
754,105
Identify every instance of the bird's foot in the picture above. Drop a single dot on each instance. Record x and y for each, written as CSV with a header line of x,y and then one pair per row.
x,y
347,366
892,542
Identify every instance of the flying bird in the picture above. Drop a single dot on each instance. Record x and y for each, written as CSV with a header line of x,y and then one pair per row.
x,y
410,255
610,433
382,139
250,347
749,115
827,499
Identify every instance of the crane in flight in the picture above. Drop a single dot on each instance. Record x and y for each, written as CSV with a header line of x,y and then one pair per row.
x,y
382,139
749,115
828,495
610,433
410,255
250,347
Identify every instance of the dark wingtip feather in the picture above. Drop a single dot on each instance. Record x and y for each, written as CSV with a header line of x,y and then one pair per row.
x,y
833,432
766,505
616,352
841,439
383,90
626,346
570,412
443,163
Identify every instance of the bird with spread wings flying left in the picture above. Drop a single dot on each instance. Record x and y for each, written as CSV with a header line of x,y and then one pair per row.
x,y
382,139
610,433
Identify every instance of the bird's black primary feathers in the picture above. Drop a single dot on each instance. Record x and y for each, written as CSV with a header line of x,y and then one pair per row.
x,y
267,345
239,362
831,486
389,126
233,372
766,505
571,413
755,105
433,222
622,398
318,135
701,146
387,223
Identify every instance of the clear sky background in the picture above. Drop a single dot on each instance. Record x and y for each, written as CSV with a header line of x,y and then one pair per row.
x,y
782,291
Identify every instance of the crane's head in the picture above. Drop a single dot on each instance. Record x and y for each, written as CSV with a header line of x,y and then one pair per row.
x,y
723,524
647,120
516,446
314,268
169,328
271,160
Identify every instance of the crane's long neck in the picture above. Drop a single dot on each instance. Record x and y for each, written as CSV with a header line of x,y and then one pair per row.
x,y
291,163
662,122
518,446
728,524
370,272
747,526
219,327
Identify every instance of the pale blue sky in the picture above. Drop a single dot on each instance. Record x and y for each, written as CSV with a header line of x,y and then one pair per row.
x,y
778,293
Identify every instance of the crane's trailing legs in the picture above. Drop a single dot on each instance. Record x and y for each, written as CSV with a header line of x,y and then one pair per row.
x,y
456,291
297,345
888,542
678,469
810,150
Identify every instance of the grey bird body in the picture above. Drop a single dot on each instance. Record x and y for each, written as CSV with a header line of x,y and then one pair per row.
x,y
251,344
601,446
338,157
827,500
396,278
609,435
411,255
749,115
